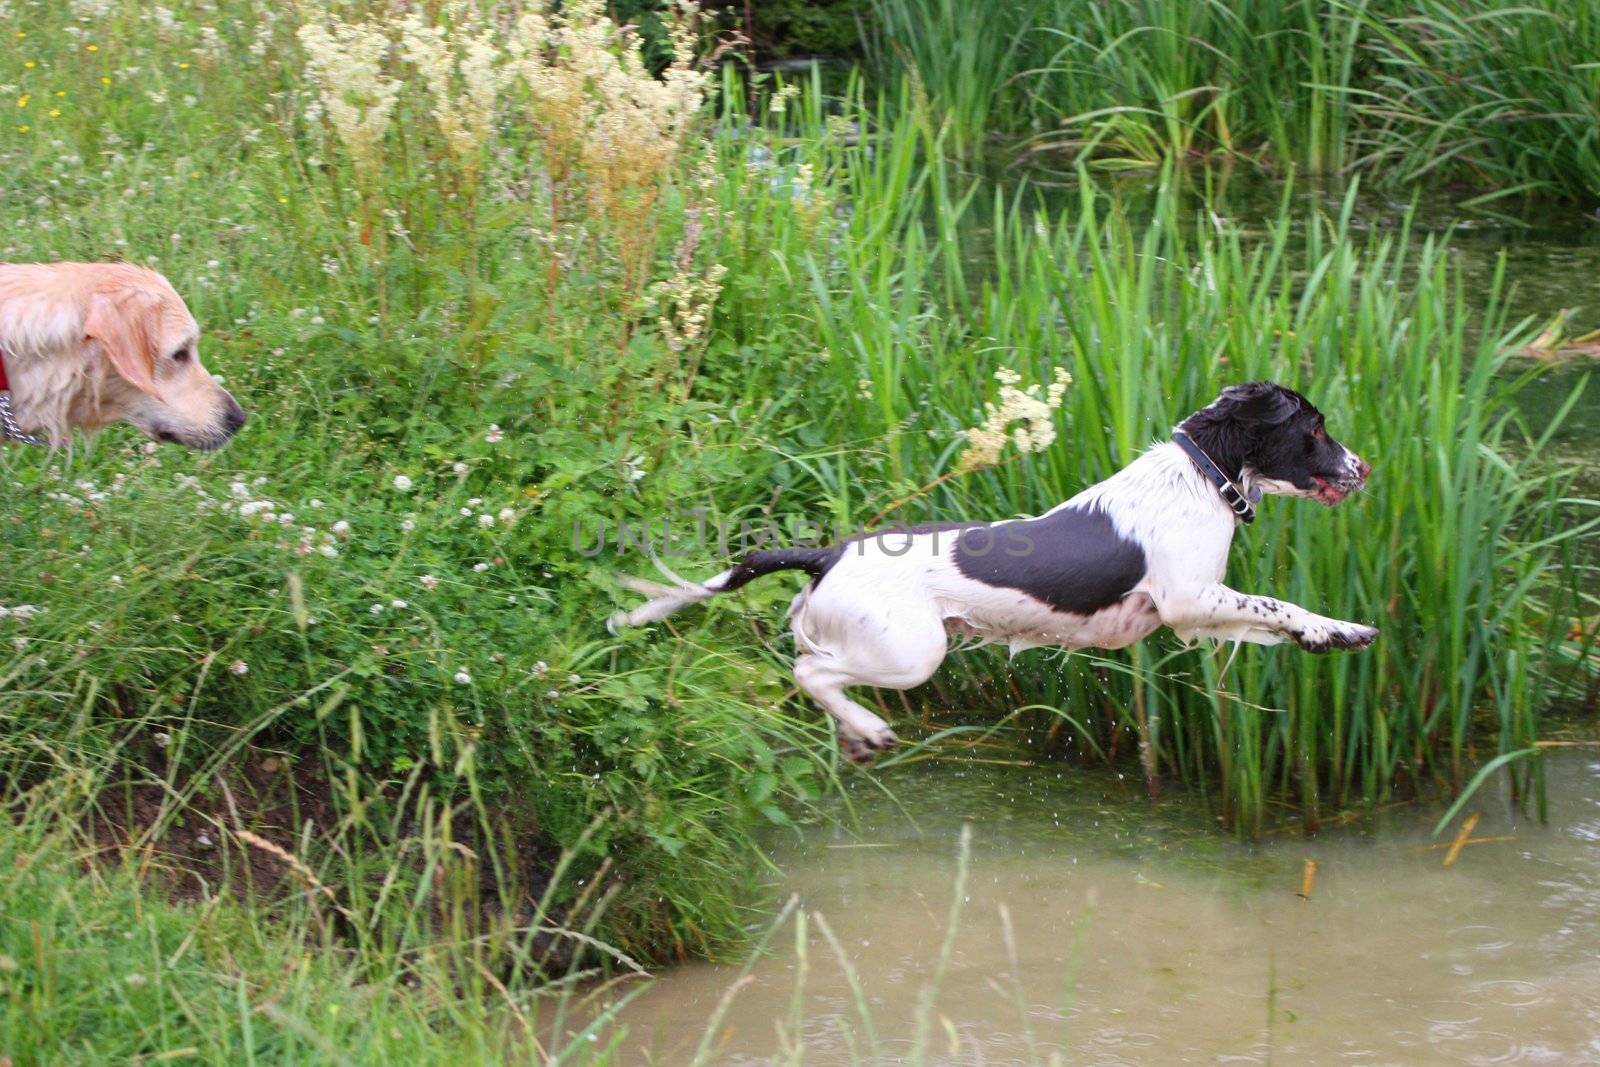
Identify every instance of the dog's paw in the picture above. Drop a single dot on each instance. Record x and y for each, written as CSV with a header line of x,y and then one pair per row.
x,y
1336,635
860,748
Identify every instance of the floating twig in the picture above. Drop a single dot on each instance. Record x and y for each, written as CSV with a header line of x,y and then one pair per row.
x,y
1461,838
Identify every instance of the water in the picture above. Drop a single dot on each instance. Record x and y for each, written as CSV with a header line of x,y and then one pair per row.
x,y
1139,934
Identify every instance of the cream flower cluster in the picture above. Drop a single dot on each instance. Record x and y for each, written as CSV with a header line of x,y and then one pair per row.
x,y
464,72
1035,413
346,62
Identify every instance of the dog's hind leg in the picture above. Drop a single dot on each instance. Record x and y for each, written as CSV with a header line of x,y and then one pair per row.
x,y
880,648
861,732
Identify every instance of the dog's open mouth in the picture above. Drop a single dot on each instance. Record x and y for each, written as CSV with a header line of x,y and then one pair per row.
x,y
1330,492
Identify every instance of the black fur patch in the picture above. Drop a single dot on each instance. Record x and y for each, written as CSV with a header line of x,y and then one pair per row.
x,y
1072,559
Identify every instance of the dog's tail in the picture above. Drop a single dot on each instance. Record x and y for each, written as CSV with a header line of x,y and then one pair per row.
x,y
666,599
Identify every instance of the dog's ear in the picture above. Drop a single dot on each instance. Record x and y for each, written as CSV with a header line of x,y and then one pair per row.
x,y
1261,403
127,323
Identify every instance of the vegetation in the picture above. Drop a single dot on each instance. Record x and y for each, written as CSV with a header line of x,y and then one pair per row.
x,y
1505,98
489,286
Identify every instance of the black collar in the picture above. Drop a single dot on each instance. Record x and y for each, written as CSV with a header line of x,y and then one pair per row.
x,y
1237,501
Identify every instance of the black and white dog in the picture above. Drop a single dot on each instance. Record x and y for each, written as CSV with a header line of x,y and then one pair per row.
x,y
1146,547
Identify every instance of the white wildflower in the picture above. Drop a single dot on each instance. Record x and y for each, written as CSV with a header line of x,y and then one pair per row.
x,y
1036,414
347,64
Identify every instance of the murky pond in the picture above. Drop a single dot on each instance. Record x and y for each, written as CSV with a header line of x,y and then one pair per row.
x,y
1100,929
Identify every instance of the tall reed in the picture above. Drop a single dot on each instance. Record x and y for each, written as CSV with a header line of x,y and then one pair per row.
x,y
1499,97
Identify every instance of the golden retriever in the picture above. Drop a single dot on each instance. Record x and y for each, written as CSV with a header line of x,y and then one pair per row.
x,y
87,344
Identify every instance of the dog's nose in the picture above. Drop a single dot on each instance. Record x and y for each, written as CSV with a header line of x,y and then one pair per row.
x,y
234,416
1362,468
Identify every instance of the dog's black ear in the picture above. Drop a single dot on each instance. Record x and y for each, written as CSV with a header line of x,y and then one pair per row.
x,y
1233,426
1259,404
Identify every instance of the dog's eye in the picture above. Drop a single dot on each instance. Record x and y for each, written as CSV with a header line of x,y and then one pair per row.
x,y
180,356
1320,434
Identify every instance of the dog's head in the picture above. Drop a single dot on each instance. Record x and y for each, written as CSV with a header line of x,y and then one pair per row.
x,y
149,343
1275,439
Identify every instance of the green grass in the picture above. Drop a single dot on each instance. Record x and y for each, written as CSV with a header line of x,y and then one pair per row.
x,y
99,966
480,762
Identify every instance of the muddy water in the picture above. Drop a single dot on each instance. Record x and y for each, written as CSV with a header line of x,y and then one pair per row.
x,y
1103,930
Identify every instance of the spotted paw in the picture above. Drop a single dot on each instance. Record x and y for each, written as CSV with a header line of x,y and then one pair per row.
x,y
1337,635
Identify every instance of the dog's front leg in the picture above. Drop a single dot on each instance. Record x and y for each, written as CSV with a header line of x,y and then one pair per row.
x,y
1228,615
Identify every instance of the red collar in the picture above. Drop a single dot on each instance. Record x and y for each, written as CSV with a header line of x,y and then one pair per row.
x,y
3,383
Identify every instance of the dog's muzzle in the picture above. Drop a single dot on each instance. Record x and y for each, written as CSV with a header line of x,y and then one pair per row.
x,y
1331,491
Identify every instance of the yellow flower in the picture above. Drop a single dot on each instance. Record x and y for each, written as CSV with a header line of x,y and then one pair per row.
x,y
22,101
24,129
183,66
92,48
105,81
283,199
55,112
61,92
21,35
29,64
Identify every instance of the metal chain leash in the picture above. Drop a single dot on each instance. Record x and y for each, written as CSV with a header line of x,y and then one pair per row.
x,y
10,429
